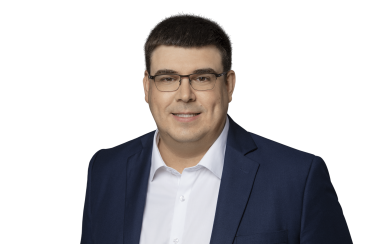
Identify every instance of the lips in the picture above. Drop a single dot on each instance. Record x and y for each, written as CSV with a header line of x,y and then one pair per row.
x,y
186,113
186,117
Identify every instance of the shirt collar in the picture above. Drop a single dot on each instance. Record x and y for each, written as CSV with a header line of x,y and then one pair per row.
x,y
213,160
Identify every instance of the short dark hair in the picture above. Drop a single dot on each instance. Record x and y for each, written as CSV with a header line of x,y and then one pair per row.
x,y
185,30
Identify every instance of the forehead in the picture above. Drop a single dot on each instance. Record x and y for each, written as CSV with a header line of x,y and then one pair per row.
x,y
186,59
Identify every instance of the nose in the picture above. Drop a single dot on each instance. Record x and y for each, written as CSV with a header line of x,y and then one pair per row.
x,y
185,92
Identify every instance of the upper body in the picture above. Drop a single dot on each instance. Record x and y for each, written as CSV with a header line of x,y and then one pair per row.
x,y
200,177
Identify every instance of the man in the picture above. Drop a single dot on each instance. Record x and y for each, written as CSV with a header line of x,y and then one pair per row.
x,y
201,178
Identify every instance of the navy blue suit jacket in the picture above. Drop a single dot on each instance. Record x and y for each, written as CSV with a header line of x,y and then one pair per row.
x,y
269,193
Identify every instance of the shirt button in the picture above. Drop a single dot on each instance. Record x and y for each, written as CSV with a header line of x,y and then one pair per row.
x,y
176,240
182,198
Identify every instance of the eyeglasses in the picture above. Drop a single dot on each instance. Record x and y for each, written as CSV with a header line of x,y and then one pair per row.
x,y
199,82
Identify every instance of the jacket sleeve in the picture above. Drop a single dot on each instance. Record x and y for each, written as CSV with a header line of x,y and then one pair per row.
x,y
322,216
86,222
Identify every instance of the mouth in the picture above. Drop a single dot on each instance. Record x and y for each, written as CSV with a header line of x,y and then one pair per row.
x,y
186,115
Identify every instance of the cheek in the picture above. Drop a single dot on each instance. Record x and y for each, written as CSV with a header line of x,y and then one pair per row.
x,y
213,103
159,104
221,105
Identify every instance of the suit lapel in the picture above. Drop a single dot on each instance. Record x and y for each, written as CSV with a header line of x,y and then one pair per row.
x,y
238,176
138,170
239,172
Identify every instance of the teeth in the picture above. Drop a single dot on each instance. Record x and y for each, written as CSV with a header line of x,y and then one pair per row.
x,y
185,115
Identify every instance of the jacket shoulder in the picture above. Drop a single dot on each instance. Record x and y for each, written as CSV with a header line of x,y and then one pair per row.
x,y
272,151
123,151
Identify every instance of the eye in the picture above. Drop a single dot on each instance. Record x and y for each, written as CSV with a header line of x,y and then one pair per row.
x,y
203,78
168,79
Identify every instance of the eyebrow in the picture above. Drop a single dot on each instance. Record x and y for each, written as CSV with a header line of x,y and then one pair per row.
x,y
197,71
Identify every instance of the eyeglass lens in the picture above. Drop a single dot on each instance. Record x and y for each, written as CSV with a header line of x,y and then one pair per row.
x,y
198,82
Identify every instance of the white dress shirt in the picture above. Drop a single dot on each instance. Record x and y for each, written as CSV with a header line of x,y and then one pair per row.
x,y
180,208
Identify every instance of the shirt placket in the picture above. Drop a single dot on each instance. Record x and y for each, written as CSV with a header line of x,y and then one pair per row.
x,y
185,183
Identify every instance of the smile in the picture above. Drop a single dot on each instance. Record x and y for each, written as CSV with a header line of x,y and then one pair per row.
x,y
186,117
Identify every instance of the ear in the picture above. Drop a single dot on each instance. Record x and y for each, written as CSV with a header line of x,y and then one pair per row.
x,y
230,83
146,86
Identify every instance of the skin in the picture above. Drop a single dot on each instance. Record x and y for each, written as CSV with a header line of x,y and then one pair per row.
x,y
183,144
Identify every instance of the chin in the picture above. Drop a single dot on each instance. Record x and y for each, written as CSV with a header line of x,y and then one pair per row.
x,y
183,136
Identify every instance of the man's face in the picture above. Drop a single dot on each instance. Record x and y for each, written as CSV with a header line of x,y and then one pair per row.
x,y
210,106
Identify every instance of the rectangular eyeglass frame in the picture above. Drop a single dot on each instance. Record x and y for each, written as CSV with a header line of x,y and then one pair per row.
x,y
188,76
